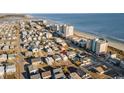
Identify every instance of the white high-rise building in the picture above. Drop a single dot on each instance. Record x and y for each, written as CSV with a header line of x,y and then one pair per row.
x,y
68,30
101,46
97,45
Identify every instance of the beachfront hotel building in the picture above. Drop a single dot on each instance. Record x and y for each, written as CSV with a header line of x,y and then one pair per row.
x,y
101,46
68,30
97,45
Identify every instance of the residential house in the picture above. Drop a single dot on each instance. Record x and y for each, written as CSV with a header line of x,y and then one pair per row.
x,y
81,73
46,75
5,48
86,61
11,68
36,61
71,54
31,69
63,44
35,50
49,50
48,35
35,76
102,69
11,56
1,72
3,57
58,40
28,54
57,57
64,57
74,75
58,73
49,60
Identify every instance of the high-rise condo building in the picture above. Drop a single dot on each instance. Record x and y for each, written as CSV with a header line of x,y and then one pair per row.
x,y
68,30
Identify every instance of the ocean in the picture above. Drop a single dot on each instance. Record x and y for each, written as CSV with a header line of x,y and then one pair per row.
x,y
109,25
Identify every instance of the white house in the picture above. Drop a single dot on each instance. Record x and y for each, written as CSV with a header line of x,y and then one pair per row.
x,y
36,61
11,56
48,35
49,60
35,49
1,72
57,58
3,57
74,75
58,40
71,54
11,68
64,57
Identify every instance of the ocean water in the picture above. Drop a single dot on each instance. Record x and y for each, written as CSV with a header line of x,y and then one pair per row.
x,y
105,24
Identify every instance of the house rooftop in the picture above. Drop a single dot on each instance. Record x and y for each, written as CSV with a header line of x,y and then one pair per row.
x,y
60,76
101,68
31,68
35,76
74,75
46,74
36,59
57,70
